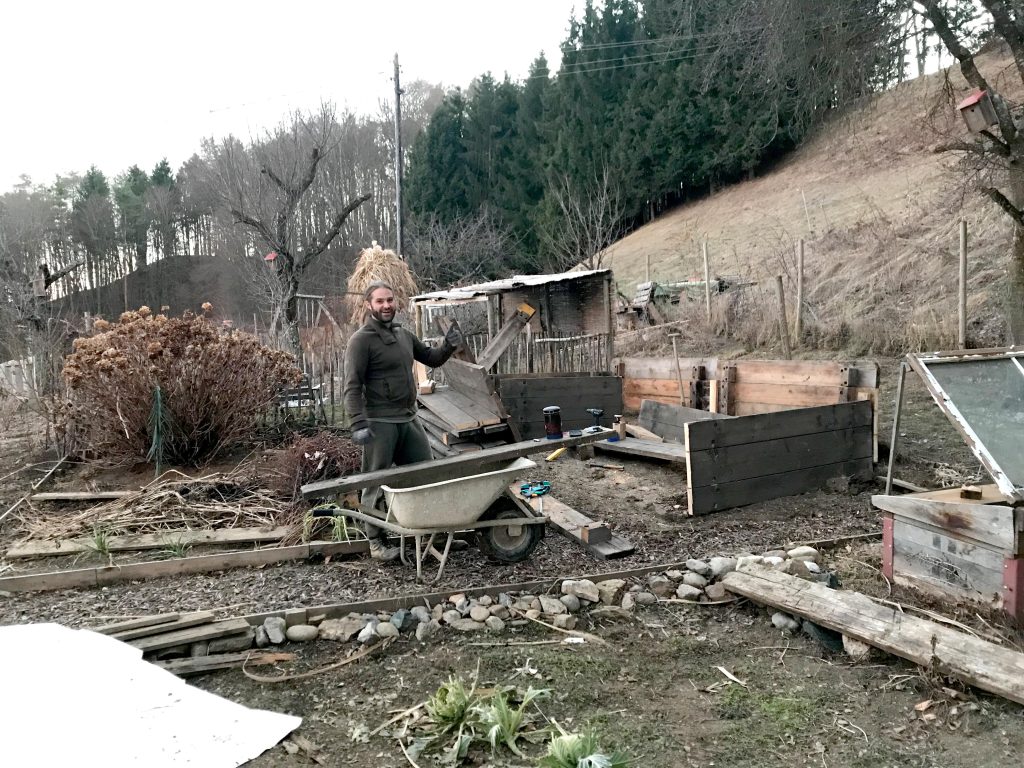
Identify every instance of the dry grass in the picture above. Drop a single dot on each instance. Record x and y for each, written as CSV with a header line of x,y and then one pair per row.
x,y
376,263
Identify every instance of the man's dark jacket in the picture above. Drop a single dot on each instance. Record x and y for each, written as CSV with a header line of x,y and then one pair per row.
x,y
378,372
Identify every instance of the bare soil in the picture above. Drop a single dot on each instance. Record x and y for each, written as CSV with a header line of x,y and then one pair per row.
x,y
656,690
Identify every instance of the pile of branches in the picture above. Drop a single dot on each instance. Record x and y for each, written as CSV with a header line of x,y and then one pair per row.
x,y
172,502
177,390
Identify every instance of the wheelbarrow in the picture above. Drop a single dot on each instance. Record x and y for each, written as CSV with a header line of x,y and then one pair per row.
x,y
508,529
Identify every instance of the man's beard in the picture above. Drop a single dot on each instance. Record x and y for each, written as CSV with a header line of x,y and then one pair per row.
x,y
380,316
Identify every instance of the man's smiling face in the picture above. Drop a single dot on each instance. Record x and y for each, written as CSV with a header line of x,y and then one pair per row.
x,y
382,304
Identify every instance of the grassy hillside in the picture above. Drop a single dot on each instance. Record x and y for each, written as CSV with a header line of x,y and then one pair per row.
x,y
878,209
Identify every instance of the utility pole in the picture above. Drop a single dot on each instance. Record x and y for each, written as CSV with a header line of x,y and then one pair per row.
x,y
398,163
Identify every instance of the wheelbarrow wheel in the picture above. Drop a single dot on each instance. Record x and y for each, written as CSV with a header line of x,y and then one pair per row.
x,y
508,543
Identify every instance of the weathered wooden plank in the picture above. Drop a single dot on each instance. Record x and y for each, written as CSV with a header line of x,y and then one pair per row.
x,y
796,396
570,523
571,393
665,367
182,622
445,404
202,664
191,635
977,662
798,372
753,409
142,621
442,469
145,541
769,458
557,385
713,498
475,384
989,524
91,577
961,567
722,433
990,494
631,446
667,420
640,433
81,495
504,338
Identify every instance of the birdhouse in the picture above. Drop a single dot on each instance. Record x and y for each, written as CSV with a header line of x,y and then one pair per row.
x,y
978,112
39,287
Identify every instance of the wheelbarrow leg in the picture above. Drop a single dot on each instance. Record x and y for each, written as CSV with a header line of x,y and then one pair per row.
x,y
444,556
419,559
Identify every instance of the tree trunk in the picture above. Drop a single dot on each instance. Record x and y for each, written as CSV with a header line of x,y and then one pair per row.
x,y
1015,283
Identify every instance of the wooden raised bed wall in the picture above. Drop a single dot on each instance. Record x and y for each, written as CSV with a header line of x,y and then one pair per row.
x,y
526,395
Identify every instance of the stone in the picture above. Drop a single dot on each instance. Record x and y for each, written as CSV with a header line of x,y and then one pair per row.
x,y
812,566
610,613
234,643
535,605
774,561
662,586
500,611
533,613
775,553
468,625
785,622
456,599
523,604
275,627
721,566
294,616
316,620
494,624
646,598
450,617
686,592
368,635
419,613
628,601
403,620
564,621
262,641
479,612
571,603
201,648
427,630
748,560
694,579
804,553
551,605
518,623
698,566
611,591
437,611
584,589
716,591
302,633
463,606
341,630
504,599
796,568
485,600
855,649
675,574
387,629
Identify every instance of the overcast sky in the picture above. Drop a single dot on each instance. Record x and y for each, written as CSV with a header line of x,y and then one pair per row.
x,y
118,82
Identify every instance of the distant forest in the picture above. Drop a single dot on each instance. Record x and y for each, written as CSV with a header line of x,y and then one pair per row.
x,y
653,103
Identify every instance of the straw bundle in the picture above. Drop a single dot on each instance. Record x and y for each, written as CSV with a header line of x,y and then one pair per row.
x,y
376,263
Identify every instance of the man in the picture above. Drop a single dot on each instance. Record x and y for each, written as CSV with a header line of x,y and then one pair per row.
x,y
380,395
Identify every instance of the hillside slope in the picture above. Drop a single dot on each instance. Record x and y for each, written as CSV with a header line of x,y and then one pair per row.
x,y
879,211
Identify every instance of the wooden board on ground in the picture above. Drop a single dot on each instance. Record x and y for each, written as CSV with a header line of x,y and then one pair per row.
x,y
975,661
182,622
441,469
571,524
144,541
82,495
202,664
632,446
733,462
668,420
210,631
141,621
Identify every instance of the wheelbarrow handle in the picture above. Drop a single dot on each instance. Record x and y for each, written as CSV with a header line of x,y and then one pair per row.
x,y
325,511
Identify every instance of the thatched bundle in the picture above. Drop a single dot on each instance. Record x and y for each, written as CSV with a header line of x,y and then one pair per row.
x,y
376,263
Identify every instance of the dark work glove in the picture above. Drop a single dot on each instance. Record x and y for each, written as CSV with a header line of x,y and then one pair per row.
x,y
453,338
362,436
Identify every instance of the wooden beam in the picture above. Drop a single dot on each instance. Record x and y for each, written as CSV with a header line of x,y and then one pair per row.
x,y
635,430
989,524
668,420
440,469
578,527
191,635
142,621
504,338
82,495
183,622
92,577
200,665
722,433
144,541
631,446
984,665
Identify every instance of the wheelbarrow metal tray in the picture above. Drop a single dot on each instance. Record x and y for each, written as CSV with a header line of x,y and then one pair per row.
x,y
451,503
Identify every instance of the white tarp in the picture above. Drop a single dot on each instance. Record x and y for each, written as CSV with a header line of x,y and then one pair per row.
x,y
74,697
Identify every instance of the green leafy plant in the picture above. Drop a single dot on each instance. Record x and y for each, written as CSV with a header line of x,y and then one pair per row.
x,y
176,548
505,722
579,750
99,541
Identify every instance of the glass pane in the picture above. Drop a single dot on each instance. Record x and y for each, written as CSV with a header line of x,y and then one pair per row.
x,y
990,397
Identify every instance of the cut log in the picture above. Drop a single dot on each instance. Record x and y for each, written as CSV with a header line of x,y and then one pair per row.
x,y
954,654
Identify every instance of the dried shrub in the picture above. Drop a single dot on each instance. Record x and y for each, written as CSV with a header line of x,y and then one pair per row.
x,y
214,386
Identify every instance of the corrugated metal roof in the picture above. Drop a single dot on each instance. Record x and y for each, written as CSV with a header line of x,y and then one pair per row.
x,y
508,284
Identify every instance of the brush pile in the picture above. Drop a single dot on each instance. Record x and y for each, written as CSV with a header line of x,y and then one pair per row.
x,y
376,263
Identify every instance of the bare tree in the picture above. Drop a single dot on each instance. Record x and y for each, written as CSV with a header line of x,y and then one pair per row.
x,y
588,220
467,250
267,187
996,155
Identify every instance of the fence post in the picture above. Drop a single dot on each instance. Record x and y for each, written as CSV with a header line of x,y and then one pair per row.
x,y
962,296
707,280
783,323
798,321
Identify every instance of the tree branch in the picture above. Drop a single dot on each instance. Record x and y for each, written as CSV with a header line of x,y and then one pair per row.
x,y
53,278
1011,31
332,233
1003,202
258,225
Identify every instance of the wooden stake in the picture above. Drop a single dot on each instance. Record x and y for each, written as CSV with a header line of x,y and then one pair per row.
x,y
707,280
962,303
783,323
679,371
648,258
798,322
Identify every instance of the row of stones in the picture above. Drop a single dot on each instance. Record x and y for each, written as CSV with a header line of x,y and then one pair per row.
x,y
698,582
